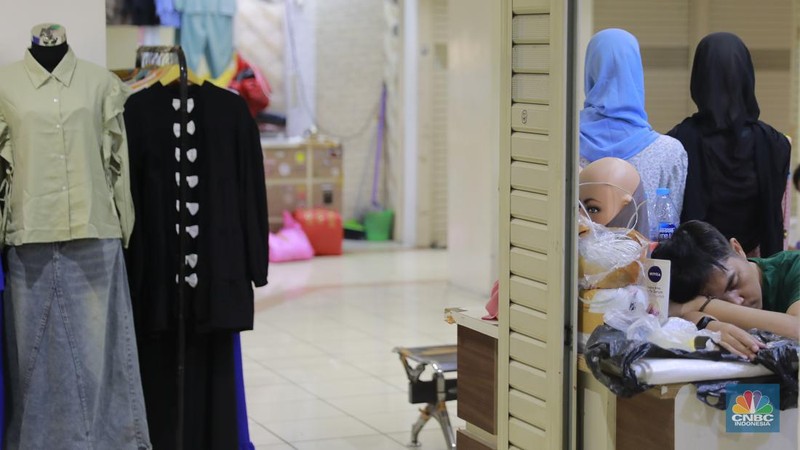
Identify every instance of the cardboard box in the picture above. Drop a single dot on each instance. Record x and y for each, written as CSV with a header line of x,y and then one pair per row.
x,y
285,163
327,195
327,162
287,197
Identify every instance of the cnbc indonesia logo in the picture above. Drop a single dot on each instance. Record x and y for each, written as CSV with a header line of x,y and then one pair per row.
x,y
752,411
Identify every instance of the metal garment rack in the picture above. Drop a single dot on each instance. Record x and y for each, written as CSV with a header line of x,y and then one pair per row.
x,y
183,79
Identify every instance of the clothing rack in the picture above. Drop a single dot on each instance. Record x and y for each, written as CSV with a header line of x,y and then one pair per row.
x,y
160,52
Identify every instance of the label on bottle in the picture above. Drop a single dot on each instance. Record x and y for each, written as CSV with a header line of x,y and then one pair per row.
x,y
665,230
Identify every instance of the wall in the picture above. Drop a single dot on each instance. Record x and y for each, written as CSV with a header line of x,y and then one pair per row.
x,y
84,20
301,64
473,138
350,71
339,52
123,40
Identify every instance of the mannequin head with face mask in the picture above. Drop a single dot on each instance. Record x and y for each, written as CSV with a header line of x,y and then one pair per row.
x,y
612,193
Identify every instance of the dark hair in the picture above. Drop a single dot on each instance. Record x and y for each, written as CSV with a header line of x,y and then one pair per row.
x,y
796,178
695,249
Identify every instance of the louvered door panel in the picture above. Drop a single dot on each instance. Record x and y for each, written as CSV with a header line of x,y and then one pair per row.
x,y
532,241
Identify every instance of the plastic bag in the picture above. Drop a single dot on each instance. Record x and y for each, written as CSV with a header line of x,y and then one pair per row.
x,y
676,333
610,356
633,307
780,356
290,243
608,257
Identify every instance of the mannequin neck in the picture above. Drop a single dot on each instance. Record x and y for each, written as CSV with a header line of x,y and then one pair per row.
x,y
49,57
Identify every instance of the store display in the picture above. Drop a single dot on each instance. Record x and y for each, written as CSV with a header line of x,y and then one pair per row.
x,y
67,212
214,162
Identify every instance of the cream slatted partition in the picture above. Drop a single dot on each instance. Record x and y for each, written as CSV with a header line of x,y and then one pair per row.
x,y
536,249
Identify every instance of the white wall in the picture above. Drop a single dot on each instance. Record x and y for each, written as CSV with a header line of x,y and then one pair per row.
x,y
301,65
473,137
350,72
84,20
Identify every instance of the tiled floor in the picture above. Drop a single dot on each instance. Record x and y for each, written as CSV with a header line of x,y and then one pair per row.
x,y
319,371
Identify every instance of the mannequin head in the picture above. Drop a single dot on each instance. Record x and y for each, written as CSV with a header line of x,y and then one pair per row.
x,y
607,186
48,35
48,44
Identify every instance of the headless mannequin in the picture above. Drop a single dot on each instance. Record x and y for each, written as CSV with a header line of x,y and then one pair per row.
x,y
608,188
48,45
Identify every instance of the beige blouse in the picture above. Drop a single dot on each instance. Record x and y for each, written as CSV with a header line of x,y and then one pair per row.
x,y
63,153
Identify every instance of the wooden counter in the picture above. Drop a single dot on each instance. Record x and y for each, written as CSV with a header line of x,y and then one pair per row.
x,y
477,378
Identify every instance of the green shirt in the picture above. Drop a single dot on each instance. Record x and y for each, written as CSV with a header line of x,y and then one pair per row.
x,y
780,280
64,153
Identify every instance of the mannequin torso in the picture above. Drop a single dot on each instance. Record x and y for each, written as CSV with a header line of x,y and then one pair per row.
x,y
49,57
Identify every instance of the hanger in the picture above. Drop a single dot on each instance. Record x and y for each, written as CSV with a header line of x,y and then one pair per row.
x,y
173,75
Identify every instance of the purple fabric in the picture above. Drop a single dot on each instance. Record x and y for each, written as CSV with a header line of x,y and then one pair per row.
x,y
241,402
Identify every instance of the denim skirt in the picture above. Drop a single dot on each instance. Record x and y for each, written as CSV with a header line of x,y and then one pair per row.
x,y
71,349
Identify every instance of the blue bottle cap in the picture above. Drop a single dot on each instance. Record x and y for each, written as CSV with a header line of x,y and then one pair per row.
x,y
662,191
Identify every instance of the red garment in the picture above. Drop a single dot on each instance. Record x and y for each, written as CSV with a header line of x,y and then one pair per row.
x,y
251,85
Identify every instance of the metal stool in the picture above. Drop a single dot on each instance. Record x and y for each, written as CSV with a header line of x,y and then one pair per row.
x,y
434,392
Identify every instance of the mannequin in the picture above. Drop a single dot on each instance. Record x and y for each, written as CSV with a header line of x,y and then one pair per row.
x,y
73,371
48,45
611,191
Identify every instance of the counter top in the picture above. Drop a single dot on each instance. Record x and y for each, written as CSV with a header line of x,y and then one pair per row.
x,y
471,318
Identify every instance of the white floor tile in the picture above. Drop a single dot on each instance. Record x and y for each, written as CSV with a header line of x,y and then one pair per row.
x,y
364,404
377,442
319,368
317,429
260,436
430,438
350,387
278,393
274,447
267,413
321,373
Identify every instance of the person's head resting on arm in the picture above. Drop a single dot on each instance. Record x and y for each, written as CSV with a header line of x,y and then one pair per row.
x,y
705,263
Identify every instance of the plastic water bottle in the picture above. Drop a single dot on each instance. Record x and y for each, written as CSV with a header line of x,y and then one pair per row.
x,y
666,215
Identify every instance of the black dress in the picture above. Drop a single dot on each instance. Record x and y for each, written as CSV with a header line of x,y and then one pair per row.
x,y
226,255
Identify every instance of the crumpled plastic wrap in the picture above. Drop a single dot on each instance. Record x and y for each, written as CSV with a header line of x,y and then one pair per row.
x,y
608,257
610,356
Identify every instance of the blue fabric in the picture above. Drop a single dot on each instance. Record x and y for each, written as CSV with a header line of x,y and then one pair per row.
x,y
223,7
167,14
241,403
209,35
613,121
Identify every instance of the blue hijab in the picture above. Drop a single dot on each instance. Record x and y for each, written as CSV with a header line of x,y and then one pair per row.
x,y
613,121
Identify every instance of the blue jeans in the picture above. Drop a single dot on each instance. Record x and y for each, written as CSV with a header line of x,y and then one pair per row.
x,y
71,349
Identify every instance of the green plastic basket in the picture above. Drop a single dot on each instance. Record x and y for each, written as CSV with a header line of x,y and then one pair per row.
x,y
378,225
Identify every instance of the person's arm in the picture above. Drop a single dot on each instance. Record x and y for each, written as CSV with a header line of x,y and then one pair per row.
x,y
794,310
784,324
732,338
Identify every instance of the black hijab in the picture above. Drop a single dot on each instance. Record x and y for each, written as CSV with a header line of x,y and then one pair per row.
x,y
738,165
